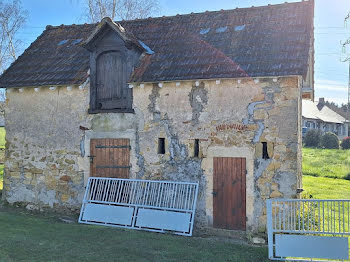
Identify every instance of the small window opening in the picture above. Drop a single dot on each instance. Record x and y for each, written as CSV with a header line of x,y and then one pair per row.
x,y
265,154
161,145
196,148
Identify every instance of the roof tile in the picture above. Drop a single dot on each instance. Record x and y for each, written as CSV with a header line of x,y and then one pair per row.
x,y
260,41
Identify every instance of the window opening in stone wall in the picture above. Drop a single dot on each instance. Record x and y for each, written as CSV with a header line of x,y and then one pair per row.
x,y
265,154
161,145
196,148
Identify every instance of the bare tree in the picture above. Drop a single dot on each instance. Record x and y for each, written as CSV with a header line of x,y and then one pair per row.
x,y
120,9
12,19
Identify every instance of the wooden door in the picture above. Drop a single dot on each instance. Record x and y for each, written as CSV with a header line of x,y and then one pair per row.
x,y
110,158
229,193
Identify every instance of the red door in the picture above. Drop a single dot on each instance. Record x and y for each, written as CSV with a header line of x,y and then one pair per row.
x,y
229,193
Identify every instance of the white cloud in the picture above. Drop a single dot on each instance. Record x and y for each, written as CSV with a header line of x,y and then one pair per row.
x,y
330,85
331,90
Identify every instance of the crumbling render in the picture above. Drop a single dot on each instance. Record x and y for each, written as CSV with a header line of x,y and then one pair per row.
x,y
140,158
152,107
198,99
260,166
250,120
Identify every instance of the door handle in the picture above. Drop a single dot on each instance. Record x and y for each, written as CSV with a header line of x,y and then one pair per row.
x,y
214,193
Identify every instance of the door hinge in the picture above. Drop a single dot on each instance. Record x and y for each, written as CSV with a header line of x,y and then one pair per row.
x,y
98,146
113,167
91,158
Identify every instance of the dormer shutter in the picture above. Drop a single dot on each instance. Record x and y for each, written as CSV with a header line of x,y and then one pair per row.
x,y
111,82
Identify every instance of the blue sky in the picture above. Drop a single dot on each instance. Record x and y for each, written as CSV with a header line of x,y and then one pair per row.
x,y
331,75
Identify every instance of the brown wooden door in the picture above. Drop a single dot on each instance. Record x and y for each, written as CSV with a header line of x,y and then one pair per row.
x,y
229,193
110,158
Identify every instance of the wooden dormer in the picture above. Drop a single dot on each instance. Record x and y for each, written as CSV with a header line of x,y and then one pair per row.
x,y
113,57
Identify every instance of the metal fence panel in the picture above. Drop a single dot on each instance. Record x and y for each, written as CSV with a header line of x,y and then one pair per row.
x,y
159,206
301,229
168,220
117,215
312,246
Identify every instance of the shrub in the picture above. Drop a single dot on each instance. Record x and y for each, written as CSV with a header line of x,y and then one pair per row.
x,y
345,144
347,177
330,141
312,138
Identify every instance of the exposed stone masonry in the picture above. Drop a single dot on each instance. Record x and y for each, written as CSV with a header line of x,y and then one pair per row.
x,y
47,163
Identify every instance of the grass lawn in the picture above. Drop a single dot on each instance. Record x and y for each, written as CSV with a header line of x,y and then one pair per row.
x,y
320,167
326,167
32,237
326,188
329,188
2,137
334,163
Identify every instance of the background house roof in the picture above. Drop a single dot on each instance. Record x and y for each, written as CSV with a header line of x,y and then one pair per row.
x,y
325,114
248,42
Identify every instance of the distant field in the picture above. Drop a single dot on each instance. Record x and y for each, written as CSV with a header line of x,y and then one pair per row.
x,y
332,163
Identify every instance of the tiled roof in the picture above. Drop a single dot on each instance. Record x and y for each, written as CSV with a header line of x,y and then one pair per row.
x,y
247,42
325,114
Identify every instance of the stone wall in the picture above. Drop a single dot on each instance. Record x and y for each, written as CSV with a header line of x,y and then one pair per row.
x,y
43,146
230,119
47,151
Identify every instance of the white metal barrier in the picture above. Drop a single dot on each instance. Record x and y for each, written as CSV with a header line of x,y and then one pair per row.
x,y
308,230
160,206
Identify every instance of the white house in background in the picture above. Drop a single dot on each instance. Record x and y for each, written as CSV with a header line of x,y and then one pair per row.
x,y
316,115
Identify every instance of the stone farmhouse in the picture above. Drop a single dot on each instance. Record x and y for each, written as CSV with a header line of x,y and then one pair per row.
x,y
213,97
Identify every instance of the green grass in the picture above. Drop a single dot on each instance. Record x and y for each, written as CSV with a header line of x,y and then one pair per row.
x,y
2,137
321,167
329,188
333,163
326,188
32,237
